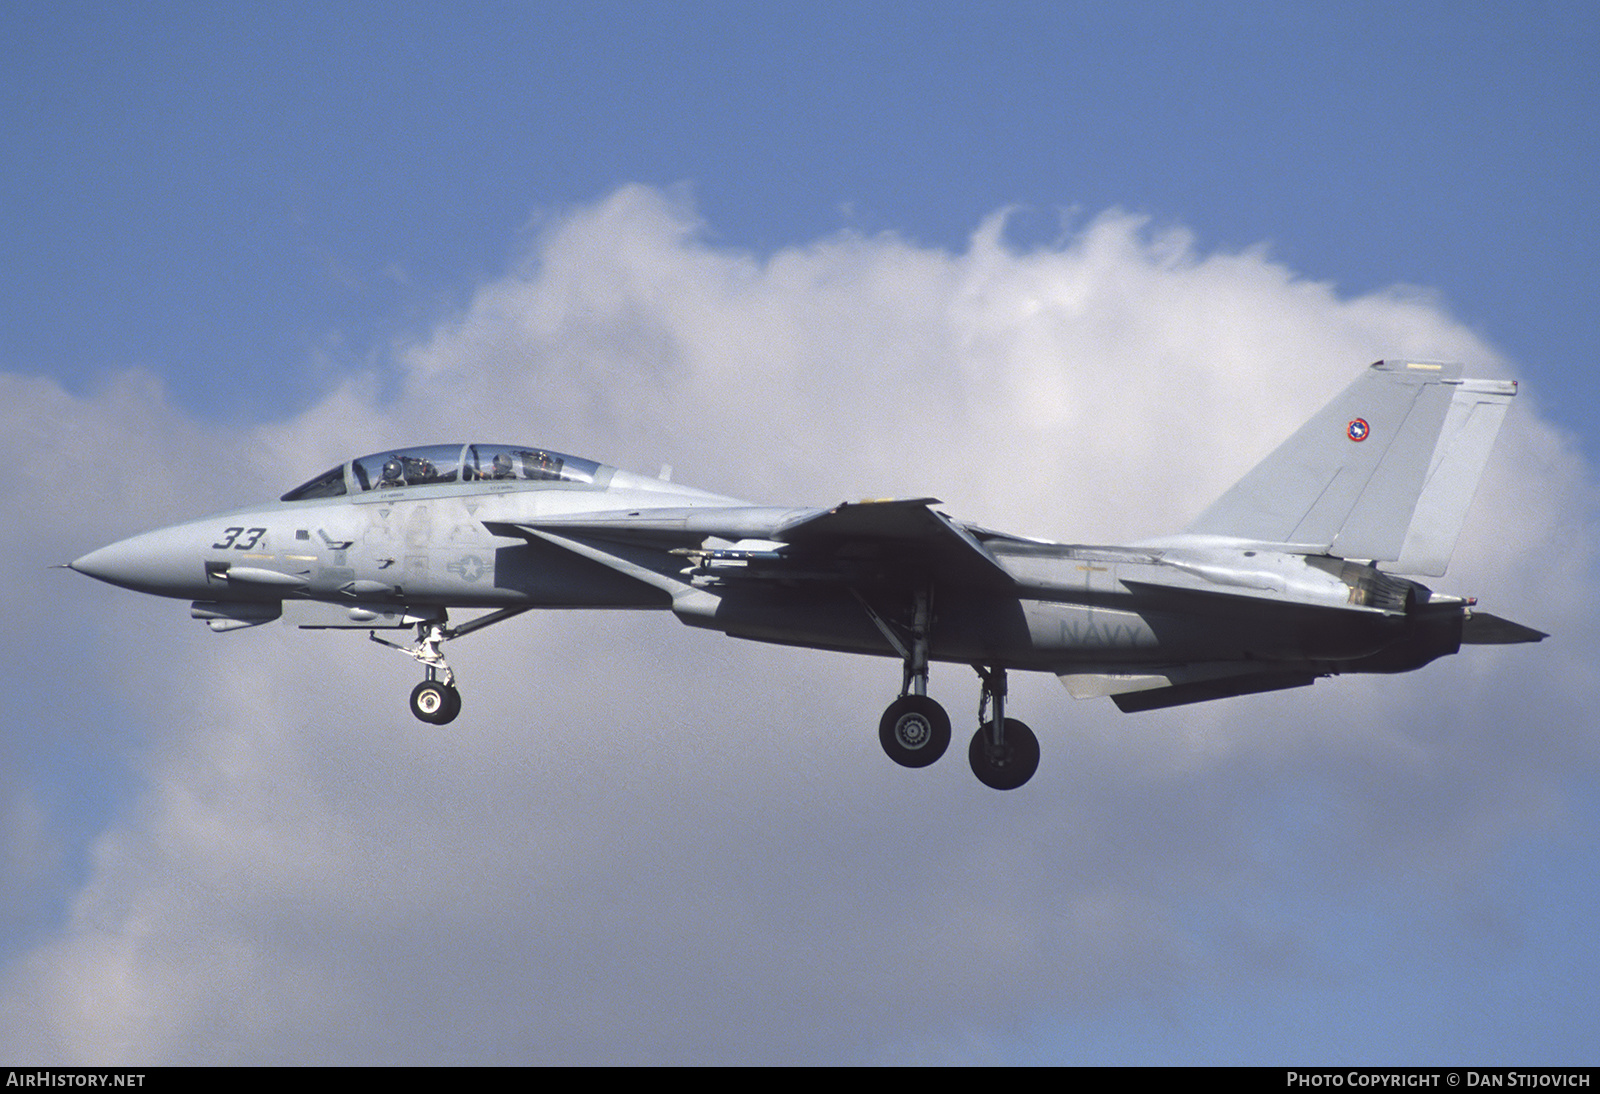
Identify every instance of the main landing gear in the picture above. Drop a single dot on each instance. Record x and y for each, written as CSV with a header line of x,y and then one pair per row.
x,y
436,699
915,730
1004,753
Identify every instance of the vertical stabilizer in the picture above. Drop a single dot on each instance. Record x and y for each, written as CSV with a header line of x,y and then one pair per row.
x,y
1384,472
1476,411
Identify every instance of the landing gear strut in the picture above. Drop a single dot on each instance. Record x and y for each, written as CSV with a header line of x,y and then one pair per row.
x,y
915,730
1004,753
436,699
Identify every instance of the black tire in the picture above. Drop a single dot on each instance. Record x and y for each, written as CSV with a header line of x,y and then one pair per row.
x,y
1009,766
435,703
452,707
914,731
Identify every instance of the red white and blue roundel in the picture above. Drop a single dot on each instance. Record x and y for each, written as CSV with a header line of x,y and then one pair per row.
x,y
1358,429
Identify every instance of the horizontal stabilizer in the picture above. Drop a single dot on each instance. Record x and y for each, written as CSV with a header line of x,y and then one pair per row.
x,y
1175,685
1483,629
1205,690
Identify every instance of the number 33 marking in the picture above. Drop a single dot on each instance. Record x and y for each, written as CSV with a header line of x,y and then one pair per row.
x,y
230,538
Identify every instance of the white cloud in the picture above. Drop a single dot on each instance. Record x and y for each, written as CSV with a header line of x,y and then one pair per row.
x,y
645,843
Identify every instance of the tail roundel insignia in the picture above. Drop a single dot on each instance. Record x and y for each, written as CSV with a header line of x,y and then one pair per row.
x,y
1358,429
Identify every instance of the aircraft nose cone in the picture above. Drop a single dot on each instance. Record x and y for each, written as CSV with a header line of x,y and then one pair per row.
x,y
118,564
146,563
102,564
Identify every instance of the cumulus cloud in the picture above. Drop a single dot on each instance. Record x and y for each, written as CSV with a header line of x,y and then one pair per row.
x,y
643,843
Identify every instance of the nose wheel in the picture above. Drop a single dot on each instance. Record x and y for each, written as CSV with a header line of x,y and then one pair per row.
x,y
436,702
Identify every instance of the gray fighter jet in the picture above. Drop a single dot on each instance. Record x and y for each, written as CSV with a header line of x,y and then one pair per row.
x,y
1291,575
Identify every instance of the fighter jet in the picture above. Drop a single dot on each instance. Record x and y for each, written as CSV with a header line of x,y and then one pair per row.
x,y
1295,573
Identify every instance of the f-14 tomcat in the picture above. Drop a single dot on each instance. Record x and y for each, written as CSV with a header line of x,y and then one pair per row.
x,y
1292,574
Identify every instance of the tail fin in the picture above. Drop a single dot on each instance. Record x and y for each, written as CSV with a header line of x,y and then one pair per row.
x,y
1384,472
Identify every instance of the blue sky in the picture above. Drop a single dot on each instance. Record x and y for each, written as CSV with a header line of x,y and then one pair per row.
x,y
263,188
240,245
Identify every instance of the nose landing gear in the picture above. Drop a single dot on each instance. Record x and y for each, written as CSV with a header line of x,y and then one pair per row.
x,y
436,700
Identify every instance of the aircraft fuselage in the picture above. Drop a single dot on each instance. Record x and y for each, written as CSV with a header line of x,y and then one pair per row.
x,y
385,557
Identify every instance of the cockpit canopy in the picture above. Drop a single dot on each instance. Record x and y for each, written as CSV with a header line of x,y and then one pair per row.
x,y
429,465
